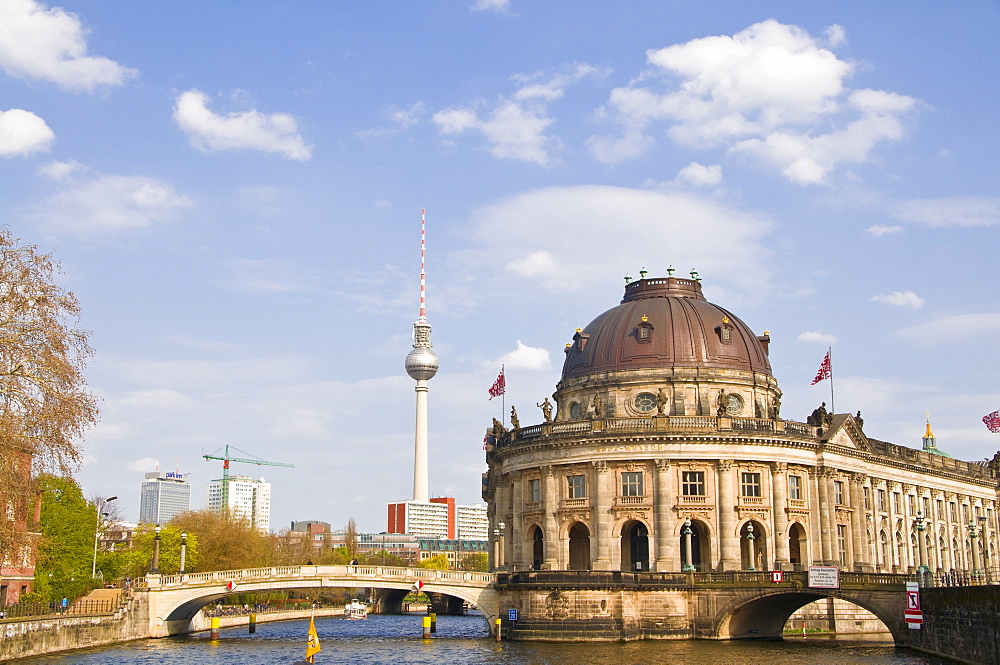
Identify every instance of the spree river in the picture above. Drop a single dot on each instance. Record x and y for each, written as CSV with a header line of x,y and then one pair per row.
x,y
396,640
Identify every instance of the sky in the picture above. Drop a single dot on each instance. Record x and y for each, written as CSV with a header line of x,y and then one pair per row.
x,y
234,193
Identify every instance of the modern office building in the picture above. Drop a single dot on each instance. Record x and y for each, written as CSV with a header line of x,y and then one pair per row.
x,y
472,522
246,497
163,496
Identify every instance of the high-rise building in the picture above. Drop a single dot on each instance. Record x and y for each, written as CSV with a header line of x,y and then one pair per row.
x,y
247,498
440,517
164,495
472,522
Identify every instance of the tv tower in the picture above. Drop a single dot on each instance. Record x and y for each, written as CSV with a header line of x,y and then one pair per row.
x,y
421,365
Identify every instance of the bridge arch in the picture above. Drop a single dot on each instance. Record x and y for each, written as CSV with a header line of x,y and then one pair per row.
x,y
763,615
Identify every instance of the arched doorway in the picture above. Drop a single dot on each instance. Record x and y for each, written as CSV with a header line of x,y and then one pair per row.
x,y
635,546
699,545
753,546
537,548
797,546
579,547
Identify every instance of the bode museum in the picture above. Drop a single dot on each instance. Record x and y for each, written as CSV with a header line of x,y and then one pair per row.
x,y
666,450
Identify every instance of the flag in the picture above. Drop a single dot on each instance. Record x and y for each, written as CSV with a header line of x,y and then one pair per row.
x,y
499,386
312,644
824,371
418,585
993,422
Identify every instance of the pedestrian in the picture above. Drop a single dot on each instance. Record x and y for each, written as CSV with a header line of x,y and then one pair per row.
x,y
65,604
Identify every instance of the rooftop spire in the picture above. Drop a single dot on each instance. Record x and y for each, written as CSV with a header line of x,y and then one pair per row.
x,y
423,272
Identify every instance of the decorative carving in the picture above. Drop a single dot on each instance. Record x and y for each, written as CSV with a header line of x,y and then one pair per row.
x,y
548,471
721,404
600,466
598,405
858,478
725,464
514,420
546,407
776,407
778,468
557,605
661,405
498,429
662,464
820,417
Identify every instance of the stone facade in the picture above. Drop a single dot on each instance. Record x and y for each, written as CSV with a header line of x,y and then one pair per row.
x,y
668,421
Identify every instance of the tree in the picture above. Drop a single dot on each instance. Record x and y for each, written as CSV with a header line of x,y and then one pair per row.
x,y
45,404
438,561
137,561
226,541
351,538
477,562
66,549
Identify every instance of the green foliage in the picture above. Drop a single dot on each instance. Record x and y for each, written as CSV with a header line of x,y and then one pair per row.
x,y
137,561
338,556
438,561
381,558
66,549
225,542
477,562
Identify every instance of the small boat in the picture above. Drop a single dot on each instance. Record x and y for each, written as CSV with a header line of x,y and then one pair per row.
x,y
312,644
355,610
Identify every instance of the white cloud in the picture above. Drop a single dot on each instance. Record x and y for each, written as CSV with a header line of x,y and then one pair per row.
x,y
954,329
814,336
143,464
400,120
549,237
111,204
268,276
764,91
22,133
252,130
49,44
524,357
700,175
61,171
516,127
951,211
880,230
497,6
900,299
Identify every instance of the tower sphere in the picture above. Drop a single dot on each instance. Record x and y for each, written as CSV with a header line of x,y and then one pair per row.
x,y
421,363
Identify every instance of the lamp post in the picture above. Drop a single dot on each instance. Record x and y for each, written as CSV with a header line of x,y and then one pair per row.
x,y
97,531
184,547
921,545
973,533
751,547
686,532
155,569
984,545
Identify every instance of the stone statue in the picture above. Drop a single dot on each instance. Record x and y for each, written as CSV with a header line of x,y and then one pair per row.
x,y
598,406
859,420
819,417
546,407
722,404
514,421
661,402
994,465
776,407
498,429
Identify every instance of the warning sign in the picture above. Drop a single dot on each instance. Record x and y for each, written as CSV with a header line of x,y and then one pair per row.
x,y
913,615
776,576
824,577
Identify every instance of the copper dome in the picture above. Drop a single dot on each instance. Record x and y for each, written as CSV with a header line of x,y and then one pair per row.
x,y
665,322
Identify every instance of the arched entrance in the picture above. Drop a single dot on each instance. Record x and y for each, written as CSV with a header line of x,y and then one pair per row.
x,y
579,547
753,546
797,546
537,548
635,546
699,545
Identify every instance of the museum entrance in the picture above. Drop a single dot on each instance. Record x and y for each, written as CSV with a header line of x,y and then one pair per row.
x,y
579,547
699,542
797,546
537,548
635,546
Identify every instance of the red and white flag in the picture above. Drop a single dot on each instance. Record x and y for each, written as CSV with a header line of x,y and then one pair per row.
x,y
993,422
499,386
418,585
824,371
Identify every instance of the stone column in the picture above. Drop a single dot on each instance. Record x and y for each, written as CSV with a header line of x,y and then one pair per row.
x,y
831,517
600,543
499,515
516,530
550,504
815,553
858,537
664,561
779,500
729,541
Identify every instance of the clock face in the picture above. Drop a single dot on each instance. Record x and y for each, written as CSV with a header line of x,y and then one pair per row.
x,y
734,403
645,402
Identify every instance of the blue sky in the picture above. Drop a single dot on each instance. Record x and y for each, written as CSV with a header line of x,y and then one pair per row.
x,y
234,191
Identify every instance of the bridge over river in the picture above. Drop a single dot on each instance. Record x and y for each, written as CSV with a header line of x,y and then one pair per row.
x,y
733,605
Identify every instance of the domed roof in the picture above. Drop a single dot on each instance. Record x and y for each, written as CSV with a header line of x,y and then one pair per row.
x,y
665,323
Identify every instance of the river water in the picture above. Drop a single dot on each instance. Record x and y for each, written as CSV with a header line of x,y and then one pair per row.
x,y
396,640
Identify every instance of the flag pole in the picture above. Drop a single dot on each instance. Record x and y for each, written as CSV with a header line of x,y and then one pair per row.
x,y
503,395
829,353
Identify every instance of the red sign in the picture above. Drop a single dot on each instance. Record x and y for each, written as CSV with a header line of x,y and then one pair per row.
x,y
776,576
231,586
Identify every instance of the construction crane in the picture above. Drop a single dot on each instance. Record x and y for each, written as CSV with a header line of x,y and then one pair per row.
x,y
226,459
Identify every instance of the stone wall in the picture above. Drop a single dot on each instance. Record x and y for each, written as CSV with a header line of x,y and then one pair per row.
x,y
24,638
961,623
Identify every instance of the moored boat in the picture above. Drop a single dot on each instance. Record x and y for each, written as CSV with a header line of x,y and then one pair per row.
x,y
355,610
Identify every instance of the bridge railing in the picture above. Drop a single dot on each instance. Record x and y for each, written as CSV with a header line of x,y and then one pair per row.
x,y
989,575
616,579
361,572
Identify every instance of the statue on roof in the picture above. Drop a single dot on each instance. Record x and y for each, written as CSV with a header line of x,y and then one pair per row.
x,y
546,407
661,402
514,420
498,429
598,406
820,417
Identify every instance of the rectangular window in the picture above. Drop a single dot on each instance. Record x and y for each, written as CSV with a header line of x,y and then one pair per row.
x,y
534,490
795,487
951,511
868,498
842,543
897,502
965,513
577,486
912,501
693,483
750,484
632,483
838,492
881,500
940,509
927,507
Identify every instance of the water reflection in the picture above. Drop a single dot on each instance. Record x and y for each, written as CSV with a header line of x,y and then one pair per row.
x,y
396,640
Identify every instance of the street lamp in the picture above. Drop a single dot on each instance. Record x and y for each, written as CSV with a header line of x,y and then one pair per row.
x,y
97,531
686,532
184,547
155,569
921,545
750,547
973,533
985,553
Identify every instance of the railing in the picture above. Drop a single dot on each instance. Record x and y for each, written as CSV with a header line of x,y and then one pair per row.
x,y
799,428
55,609
951,578
575,503
529,432
692,422
741,578
632,500
751,501
691,500
571,427
392,572
629,424
753,424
